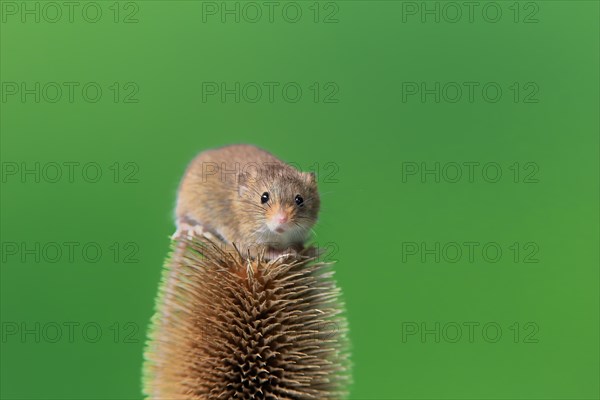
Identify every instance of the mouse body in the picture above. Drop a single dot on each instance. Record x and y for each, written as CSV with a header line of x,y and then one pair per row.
x,y
246,196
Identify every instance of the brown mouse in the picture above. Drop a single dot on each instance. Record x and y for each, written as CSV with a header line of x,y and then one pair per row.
x,y
246,196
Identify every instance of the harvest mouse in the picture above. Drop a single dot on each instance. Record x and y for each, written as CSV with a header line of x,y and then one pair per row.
x,y
246,196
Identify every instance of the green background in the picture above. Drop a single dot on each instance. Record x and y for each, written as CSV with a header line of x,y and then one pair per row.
x,y
363,141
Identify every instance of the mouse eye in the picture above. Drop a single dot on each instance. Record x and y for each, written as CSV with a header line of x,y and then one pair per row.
x,y
264,198
299,200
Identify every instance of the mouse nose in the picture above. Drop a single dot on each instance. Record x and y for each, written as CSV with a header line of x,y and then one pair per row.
x,y
281,218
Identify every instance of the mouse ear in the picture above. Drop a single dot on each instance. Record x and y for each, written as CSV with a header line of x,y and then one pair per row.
x,y
310,177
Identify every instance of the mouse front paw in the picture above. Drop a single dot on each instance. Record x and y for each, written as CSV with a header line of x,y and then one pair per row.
x,y
273,254
185,230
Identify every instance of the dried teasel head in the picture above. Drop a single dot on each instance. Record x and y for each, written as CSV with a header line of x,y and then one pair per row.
x,y
229,327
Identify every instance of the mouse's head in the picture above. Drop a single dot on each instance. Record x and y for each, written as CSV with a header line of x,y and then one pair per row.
x,y
280,205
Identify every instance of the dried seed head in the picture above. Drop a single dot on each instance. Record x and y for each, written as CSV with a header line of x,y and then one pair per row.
x,y
228,328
